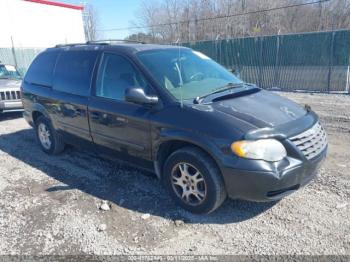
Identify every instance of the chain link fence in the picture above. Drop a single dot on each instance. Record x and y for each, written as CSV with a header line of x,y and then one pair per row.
x,y
19,57
315,62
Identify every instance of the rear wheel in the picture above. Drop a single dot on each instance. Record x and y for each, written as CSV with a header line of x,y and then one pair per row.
x,y
50,142
194,181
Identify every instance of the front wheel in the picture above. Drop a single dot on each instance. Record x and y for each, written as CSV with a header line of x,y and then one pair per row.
x,y
47,137
194,181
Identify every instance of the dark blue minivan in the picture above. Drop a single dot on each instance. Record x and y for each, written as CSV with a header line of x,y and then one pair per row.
x,y
171,110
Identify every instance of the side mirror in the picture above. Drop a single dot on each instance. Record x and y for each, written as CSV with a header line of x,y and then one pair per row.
x,y
137,95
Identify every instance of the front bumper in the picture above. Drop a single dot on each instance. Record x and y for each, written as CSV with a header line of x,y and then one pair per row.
x,y
9,105
271,185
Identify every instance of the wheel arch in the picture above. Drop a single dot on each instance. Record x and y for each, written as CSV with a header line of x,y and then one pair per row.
x,y
171,143
37,111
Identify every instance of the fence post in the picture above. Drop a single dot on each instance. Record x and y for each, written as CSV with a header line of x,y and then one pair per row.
x,y
260,62
218,49
347,89
14,53
277,73
330,65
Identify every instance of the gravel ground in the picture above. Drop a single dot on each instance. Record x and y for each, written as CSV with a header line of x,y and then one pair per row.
x,y
50,205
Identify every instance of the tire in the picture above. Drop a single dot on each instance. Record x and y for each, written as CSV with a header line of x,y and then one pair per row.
x,y
206,192
54,143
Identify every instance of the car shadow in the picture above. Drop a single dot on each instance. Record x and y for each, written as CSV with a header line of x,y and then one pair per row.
x,y
10,115
117,182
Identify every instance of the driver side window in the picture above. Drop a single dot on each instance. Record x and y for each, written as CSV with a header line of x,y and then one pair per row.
x,y
115,75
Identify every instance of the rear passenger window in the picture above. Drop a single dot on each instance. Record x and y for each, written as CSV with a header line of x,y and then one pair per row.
x,y
73,72
40,71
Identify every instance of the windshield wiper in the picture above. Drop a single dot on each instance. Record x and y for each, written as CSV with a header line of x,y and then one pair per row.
x,y
218,90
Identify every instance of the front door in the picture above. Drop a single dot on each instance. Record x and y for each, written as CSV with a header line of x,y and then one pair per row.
x,y
115,124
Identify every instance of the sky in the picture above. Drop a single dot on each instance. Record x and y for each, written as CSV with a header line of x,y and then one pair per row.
x,y
112,14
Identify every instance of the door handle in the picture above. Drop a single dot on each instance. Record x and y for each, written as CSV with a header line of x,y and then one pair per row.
x,y
121,119
80,112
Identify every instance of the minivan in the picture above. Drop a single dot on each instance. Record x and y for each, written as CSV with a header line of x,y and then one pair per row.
x,y
173,111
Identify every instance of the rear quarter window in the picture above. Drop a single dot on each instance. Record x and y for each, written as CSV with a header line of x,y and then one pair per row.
x,y
41,70
73,73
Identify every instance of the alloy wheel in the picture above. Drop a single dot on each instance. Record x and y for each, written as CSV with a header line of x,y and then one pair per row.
x,y
44,136
188,184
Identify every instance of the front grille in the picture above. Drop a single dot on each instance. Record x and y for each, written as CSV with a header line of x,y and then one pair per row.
x,y
10,95
311,142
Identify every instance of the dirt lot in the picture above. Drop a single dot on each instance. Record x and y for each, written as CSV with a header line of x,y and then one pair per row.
x,y
50,205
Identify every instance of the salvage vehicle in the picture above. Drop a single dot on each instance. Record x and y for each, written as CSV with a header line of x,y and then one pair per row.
x,y
174,111
10,94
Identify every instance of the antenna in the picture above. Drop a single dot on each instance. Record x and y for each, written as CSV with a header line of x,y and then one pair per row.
x,y
179,67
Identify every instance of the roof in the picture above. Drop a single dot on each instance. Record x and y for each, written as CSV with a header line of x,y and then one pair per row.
x,y
143,47
126,47
59,4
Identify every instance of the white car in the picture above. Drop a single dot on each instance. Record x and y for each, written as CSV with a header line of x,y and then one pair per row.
x,y
10,93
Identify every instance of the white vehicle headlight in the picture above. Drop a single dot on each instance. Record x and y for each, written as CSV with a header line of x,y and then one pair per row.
x,y
265,149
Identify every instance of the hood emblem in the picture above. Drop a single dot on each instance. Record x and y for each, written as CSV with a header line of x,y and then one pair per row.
x,y
287,111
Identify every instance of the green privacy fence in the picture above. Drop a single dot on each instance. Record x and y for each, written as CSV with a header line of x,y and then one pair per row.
x,y
318,62
19,57
309,61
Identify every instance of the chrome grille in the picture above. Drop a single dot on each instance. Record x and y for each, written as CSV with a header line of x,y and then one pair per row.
x,y
10,95
311,142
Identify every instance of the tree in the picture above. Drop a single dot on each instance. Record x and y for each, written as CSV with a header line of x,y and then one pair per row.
x,y
190,20
141,37
90,18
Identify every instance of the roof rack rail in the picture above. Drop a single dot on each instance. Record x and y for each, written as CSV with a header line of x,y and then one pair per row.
x,y
99,42
108,41
68,45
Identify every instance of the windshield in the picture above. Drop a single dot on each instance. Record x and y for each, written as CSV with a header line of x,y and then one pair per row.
x,y
186,73
9,72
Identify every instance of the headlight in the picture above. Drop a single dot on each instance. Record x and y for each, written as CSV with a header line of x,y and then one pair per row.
x,y
265,149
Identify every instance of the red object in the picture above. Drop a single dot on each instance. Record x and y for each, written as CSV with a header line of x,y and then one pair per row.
x,y
46,2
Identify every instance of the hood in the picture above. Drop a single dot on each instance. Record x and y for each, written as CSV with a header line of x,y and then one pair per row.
x,y
9,83
261,109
